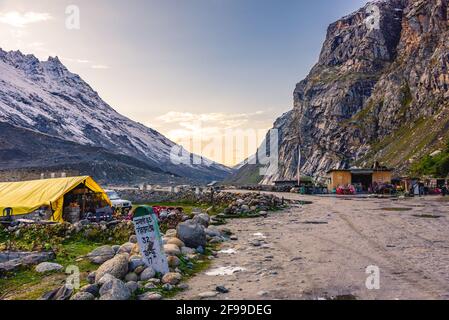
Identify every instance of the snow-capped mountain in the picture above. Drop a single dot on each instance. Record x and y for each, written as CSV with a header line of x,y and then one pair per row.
x,y
45,97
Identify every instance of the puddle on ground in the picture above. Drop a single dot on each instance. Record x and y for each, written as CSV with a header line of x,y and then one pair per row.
x,y
259,235
228,251
426,216
398,209
342,297
315,222
327,297
224,271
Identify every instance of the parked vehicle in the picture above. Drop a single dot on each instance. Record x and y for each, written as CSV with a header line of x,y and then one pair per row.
x,y
118,204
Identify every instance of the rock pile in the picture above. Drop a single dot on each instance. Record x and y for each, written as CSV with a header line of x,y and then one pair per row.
x,y
256,201
123,275
250,203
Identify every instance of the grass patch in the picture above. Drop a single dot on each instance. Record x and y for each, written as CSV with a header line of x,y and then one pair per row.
x,y
26,284
435,166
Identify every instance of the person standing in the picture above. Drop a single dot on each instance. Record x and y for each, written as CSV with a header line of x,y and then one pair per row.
x,y
416,189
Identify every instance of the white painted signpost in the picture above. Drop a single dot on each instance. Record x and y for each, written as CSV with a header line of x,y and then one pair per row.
x,y
149,239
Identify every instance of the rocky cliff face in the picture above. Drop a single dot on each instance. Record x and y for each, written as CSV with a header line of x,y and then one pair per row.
x,y
378,93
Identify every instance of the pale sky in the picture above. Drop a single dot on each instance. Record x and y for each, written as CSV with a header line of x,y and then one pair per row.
x,y
183,67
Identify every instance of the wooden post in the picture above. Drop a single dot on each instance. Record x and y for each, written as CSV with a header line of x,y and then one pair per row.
x,y
299,166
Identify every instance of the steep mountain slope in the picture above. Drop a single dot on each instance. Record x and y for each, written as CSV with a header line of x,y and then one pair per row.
x,y
45,97
379,92
44,153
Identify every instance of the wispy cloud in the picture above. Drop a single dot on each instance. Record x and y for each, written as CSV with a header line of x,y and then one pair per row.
x,y
82,61
100,66
224,120
20,20
212,134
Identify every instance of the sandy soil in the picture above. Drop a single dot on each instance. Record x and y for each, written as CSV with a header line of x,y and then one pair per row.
x,y
322,250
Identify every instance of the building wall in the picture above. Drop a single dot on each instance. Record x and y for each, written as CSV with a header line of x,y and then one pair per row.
x,y
382,177
339,178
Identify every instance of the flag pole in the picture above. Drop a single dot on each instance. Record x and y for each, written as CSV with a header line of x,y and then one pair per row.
x,y
299,166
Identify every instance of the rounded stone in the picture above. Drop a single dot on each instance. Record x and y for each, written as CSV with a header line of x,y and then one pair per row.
x,y
176,242
83,296
192,234
172,278
117,267
187,250
91,288
171,233
115,289
172,249
150,296
147,274
126,248
101,254
91,277
173,261
48,267
134,262
131,277
139,269
132,286
202,218
208,294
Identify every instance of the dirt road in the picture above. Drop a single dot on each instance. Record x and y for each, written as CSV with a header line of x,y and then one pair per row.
x,y
322,250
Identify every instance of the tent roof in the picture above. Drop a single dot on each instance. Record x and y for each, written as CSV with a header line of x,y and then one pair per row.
x,y
28,196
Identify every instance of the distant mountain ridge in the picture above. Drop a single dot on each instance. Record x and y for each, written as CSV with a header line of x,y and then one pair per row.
x,y
45,97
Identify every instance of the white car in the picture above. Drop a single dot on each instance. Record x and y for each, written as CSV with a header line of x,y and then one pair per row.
x,y
118,204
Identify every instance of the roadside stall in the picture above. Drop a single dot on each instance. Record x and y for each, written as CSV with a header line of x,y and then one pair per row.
x,y
62,199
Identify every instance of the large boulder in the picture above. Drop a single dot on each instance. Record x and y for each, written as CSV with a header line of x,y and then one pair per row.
x,y
114,289
202,218
117,267
101,255
192,234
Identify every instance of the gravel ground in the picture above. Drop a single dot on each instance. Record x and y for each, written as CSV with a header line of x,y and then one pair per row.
x,y
322,250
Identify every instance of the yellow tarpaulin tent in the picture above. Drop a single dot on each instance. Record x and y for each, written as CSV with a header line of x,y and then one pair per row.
x,y
28,196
